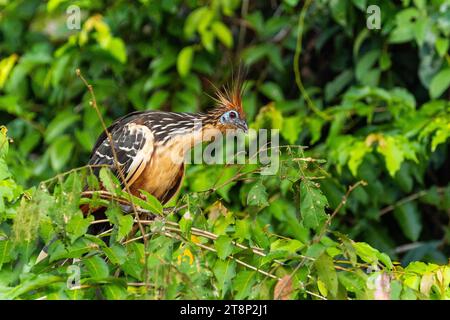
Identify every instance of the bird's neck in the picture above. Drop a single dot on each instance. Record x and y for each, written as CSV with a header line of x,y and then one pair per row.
x,y
179,132
204,127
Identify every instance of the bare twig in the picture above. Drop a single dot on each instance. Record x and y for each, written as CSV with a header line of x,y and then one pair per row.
x,y
408,247
93,103
409,198
340,205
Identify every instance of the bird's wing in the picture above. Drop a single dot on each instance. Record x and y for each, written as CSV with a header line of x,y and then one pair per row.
x,y
134,145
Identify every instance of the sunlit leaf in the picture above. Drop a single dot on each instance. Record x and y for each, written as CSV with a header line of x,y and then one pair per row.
x,y
184,60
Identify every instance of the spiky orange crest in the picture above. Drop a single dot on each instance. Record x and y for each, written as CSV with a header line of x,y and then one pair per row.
x,y
230,96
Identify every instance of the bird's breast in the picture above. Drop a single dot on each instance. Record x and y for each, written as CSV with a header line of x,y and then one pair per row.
x,y
163,173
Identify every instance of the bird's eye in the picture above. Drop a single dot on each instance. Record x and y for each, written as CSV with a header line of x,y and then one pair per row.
x,y
233,114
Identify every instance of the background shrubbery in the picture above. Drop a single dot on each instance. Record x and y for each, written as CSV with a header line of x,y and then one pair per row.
x,y
371,105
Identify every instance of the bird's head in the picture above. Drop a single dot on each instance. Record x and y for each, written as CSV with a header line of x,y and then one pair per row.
x,y
229,114
233,119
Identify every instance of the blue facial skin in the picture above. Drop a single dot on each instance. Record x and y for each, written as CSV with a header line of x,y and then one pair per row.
x,y
232,118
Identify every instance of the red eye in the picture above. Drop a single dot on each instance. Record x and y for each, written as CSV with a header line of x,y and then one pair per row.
x,y
233,115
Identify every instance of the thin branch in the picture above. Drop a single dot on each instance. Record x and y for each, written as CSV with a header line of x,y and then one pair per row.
x,y
298,50
239,262
338,208
93,103
409,198
309,159
63,174
408,247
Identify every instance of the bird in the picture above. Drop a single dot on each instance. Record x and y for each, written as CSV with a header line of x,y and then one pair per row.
x,y
145,149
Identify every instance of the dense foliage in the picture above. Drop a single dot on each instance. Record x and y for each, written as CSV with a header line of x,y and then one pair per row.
x,y
372,187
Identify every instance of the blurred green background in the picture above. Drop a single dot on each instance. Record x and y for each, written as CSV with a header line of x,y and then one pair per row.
x,y
374,103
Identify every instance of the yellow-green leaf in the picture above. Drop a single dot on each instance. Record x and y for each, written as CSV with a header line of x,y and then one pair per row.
x,y
440,83
184,61
326,272
223,33
6,66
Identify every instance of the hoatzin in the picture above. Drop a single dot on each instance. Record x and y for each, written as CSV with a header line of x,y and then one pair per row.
x,y
150,146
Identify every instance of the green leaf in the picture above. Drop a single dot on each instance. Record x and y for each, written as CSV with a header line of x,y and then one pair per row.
x,y
260,236
257,195
315,127
226,175
157,99
223,33
184,60
116,254
207,38
365,64
292,127
224,271
396,289
60,152
291,246
386,260
405,26
35,283
116,47
334,87
272,91
114,292
107,181
442,45
186,223
366,252
360,4
326,272
224,246
124,222
322,288
312,205
151,203
357,154
253,54
440,83
243,283
125,225
243,229
339,11
134,265
291,3
408,216
440,136
352,282
53,4
268,117
393,154
77,225
58,251
5,252
4,143
97,267
197,19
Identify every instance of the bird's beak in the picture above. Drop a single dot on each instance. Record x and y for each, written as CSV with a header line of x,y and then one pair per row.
x,y
242,124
